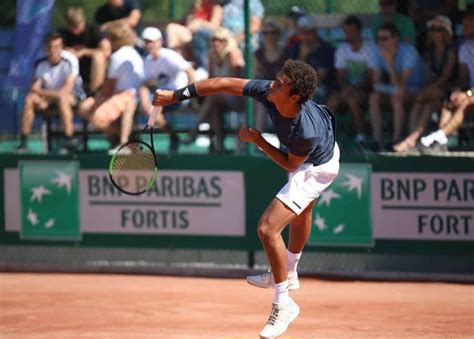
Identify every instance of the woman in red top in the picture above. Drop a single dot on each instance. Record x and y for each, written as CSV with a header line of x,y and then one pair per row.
x,y
203,19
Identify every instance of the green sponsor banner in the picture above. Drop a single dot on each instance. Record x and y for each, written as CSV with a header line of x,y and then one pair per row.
x,y
342,216
49,200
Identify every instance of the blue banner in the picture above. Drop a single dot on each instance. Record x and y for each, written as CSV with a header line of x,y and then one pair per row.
x,y
32,24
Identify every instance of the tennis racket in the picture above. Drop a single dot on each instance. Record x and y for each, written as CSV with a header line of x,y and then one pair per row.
x,y
133,169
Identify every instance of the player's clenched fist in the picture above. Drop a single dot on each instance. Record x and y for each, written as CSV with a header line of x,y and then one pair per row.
x,y
163,97
248,134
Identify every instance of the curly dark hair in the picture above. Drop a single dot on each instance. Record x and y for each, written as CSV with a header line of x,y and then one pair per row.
x,y
303,77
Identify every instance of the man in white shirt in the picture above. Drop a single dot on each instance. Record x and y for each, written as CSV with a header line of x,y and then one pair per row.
x,y
352,62
55,79
164,69
113,108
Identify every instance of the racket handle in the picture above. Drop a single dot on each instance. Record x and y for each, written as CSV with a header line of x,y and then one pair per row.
x,y
153,114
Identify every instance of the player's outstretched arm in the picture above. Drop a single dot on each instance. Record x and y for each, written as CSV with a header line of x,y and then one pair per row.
x,y
232,86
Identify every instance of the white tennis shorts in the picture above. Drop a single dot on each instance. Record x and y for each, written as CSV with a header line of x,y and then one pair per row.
x,y
308,182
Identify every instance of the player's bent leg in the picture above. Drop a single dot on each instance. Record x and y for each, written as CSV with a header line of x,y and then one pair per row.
x,y
271,224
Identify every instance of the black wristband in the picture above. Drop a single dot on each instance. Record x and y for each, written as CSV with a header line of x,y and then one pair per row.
x,y
186,93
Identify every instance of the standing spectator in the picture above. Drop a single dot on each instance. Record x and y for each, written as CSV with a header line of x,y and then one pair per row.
x,y
204,17
316,52
440,59
389,15
352,61
120,12
164,69
113,108
267,62
461,102
54,80
293,15
233,20
397,76
89,45
225,60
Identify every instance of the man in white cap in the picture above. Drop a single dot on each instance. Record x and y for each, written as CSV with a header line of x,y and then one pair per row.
x,y
164,69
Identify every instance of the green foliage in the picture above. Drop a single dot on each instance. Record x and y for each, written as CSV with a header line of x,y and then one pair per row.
x,y
281,7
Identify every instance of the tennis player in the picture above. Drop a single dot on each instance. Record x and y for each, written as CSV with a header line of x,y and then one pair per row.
x,y
308,130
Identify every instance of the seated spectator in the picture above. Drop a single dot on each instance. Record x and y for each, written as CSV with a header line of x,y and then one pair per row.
x,y
268,60
440,59
89,45
164,69
291,35
452,117
352,62
204,17
316,52
56,83
225,60
233,20
113,108
397,74
118,12
461,102
389,15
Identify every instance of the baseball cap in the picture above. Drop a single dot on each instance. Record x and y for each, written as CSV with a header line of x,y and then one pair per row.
x,y
296,12
151,33
443,21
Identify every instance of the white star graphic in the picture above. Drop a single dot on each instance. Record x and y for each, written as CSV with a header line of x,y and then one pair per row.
x,y
339,228
320,223
49,223
353,183
327,196
63,180
38,193
32,217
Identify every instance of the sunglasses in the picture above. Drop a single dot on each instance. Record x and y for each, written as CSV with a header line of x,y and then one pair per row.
x,y
270,32
386,4
217,39
384,37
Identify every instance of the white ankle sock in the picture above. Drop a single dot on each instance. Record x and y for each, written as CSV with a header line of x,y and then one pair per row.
x,y
440,137
281,293
428,140
293,259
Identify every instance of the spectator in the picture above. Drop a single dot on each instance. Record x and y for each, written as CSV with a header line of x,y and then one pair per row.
x,y
204,17
397,75
54,82
316,52
225,60
292,35
233,20
440,59
267,62
113,108
352,62
89,45
461,102
388,14
120,12
164,69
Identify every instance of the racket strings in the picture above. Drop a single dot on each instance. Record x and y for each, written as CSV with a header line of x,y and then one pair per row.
x,y
134,156
133,168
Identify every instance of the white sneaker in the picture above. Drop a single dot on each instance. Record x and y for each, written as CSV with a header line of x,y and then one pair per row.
x,y
265,280
280,317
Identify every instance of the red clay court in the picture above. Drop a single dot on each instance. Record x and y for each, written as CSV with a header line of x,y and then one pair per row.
x,y
134,306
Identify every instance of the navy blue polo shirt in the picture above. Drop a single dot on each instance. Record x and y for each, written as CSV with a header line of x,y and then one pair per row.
x,y
312,132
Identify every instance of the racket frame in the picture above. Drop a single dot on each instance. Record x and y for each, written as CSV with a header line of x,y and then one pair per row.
x,y
136,138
